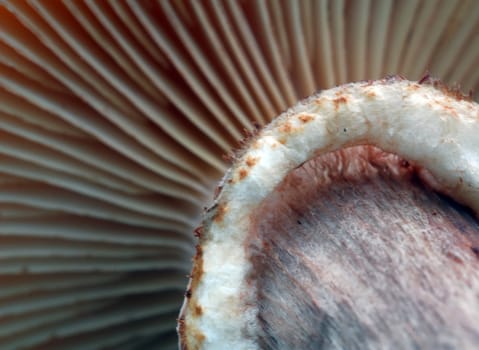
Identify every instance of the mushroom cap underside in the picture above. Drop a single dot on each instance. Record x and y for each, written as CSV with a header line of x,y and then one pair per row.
x,y
114,116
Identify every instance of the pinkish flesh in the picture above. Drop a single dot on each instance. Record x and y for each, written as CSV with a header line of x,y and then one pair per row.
x,y
352,251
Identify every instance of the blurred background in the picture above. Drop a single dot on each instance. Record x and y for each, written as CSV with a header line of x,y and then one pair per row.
x,y
114,116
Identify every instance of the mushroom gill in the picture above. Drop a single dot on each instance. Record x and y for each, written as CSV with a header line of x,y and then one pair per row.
x,y
114,116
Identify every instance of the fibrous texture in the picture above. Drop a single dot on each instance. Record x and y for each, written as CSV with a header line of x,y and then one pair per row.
x,y
270,272
114,116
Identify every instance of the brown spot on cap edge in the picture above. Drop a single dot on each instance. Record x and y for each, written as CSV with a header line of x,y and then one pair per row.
x,y
305,118
196,310
338,101
220,213
242,173
251,161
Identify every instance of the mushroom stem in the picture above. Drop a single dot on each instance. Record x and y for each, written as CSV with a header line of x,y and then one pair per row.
x,y
380,149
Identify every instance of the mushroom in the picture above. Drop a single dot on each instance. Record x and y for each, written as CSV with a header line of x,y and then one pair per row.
x,y
114,116
321,237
